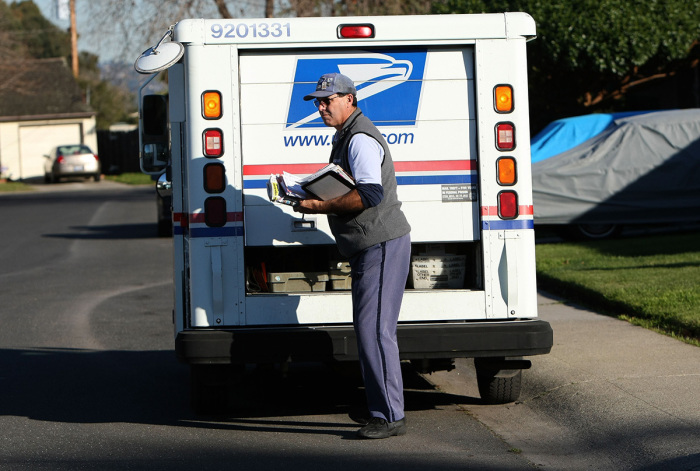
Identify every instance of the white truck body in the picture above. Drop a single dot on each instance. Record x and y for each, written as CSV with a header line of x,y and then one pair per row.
x,y
428,83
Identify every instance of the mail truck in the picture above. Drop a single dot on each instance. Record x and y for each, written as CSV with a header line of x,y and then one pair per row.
x,y
256,282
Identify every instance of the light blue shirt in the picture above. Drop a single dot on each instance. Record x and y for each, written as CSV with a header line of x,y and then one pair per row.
x,y
365,156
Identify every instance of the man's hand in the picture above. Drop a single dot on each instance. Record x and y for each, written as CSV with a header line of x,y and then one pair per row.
x,y
308,207
348,203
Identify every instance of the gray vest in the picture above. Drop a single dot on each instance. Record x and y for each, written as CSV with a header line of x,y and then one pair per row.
x,y
386,221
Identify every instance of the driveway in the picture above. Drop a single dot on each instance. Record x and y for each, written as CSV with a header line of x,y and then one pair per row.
x,y
610,395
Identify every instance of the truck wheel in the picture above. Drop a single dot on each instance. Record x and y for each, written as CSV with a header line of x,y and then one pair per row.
x,y
165,228
210,388
497,386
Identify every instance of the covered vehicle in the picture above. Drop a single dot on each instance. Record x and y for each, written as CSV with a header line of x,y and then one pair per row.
x,y
74,160
638,169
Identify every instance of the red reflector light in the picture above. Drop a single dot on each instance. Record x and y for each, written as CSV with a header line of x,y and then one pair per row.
x,y
508,205
213,143
355,31
214,178
215,211
505,136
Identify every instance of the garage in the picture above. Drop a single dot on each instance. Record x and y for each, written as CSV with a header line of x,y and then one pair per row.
x,y
41,106
36,141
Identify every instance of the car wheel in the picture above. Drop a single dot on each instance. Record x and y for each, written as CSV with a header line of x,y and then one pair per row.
x,y
96,177
596,231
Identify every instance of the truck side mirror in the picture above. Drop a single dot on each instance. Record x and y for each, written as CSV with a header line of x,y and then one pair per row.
x,y
164,186
155,135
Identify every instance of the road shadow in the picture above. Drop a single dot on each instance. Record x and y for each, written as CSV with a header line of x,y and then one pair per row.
x,y
110,232
151,387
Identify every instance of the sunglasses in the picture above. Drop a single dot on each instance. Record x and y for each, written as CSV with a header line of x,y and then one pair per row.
x,y
324,101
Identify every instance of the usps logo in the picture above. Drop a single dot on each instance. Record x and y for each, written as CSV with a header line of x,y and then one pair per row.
x,y
388,86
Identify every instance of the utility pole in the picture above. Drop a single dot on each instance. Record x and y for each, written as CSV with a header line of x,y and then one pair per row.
x,y
73,39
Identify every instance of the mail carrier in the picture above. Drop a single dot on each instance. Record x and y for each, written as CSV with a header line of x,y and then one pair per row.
x,y
256,282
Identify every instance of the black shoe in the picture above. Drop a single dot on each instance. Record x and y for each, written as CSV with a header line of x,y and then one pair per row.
x,y
380,428
359,415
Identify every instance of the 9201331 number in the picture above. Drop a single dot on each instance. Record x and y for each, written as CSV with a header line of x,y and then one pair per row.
x,y
255,30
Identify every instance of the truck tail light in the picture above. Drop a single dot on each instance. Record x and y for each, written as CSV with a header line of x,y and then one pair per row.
x,y
506,171
503,98
355,31
211,105
214,178
213,143
508,205
505,136
96,157
215,211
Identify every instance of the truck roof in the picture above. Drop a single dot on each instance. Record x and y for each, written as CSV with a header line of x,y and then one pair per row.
x,y
293,32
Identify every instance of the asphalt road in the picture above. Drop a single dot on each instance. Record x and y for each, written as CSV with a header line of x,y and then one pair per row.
x,y
88,378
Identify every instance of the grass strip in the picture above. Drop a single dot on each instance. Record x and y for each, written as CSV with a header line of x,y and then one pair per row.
x,y
133,178
12,187
652,281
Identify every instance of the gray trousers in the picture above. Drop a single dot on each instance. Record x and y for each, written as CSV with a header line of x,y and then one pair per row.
x,y
379,276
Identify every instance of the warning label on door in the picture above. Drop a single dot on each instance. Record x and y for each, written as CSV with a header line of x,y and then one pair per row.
x,y
456,193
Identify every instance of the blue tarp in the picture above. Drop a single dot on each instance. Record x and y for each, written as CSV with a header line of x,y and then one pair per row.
x,y
564,134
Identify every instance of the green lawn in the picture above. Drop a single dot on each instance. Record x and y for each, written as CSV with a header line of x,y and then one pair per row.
x,y
652,281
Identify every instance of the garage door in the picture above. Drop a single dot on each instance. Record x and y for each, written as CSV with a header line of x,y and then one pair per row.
x,y
35,141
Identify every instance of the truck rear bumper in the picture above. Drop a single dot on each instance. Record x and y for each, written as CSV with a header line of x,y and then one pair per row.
x,y
324,343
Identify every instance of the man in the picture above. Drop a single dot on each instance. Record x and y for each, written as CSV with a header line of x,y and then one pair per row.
x,y
372,231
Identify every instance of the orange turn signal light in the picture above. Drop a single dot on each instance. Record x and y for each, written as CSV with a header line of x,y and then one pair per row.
x,y
211,105
506,171
503,98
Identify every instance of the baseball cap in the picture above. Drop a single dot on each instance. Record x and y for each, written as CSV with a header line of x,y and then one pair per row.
x,y
330,84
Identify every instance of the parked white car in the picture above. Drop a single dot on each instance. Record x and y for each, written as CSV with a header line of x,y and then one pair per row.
x,y
76,160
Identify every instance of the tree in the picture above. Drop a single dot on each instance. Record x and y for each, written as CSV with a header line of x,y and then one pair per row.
x,y
113,104
137,32
25,35
591,54
156,16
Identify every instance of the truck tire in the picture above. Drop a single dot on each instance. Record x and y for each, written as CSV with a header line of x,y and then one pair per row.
x,y
210,388
165,228
497,386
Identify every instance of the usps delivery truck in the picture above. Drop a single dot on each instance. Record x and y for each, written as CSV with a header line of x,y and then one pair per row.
x,y
256,282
